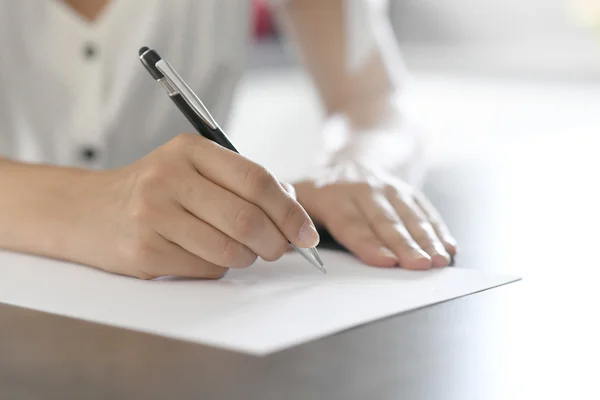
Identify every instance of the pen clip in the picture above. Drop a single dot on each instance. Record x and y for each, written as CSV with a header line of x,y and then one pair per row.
x,y
174,85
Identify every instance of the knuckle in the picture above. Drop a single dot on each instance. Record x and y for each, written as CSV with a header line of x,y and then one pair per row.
x,y
408,239
400,188
153,178
420,215
425,227
140,253
248,260
248,221
181,142
417,194
365,187
385,219
258,180
141,213
422,237
403,237
434,217
368,244
411,216
345,222
436,220
294,212
232,254
405,199
390,190
276,251
354,234
358,235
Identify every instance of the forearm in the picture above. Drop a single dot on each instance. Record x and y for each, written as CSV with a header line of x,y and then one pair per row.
x,y
394,145
40,208
361,81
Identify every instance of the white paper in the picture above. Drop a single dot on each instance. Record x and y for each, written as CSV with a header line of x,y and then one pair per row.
x,y
265,308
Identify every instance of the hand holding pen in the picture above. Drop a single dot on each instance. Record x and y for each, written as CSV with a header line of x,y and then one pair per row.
x,y
233,210
190,208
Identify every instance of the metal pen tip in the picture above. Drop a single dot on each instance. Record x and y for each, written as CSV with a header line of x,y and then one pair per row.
x,y
315,253
312,257
319,267
322,269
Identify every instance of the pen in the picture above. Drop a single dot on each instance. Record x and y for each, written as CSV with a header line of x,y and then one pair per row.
x,y
199,116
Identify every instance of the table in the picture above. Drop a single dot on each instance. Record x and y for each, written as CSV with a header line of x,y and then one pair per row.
x,y
529,208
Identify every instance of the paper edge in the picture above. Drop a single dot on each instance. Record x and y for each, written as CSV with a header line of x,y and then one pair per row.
x,y
280,348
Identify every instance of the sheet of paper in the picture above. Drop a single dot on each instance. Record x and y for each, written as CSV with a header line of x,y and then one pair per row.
x,y
259,310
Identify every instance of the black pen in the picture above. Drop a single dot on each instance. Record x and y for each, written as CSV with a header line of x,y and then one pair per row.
x,y
199,116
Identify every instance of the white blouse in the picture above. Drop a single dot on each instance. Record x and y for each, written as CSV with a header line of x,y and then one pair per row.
x,y
73,92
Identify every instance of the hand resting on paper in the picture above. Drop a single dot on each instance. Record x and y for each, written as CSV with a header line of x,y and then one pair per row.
x,y
378,217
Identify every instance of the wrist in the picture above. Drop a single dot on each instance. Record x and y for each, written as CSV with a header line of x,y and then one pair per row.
x,y
395,146
79,212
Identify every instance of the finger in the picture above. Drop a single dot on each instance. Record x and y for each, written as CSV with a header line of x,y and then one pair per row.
x,y
290,189
256,185
441,229
235,217
164,258
351,229
421,230
204,241
387,225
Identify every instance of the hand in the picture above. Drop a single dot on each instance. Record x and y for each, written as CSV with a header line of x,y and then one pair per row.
x,y
190,208
381,219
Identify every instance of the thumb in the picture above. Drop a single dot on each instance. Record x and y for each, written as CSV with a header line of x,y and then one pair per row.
x,y
290,189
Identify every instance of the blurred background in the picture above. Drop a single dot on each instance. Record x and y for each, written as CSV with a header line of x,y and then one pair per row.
x,y
504,88
535,38
481,72
509,93
520,38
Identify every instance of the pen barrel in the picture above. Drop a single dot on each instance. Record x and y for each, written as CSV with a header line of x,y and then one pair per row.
x,y
216,135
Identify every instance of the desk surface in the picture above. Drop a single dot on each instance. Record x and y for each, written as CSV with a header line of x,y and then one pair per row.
x,y
520,341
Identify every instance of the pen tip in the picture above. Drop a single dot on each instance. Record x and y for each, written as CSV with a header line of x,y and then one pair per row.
x,y
315,254
143,50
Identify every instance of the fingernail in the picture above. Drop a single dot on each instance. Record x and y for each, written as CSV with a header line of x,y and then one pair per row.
x,y
422,260
440,257
452,243
442,250
385,252
418,253
387,257
308,235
